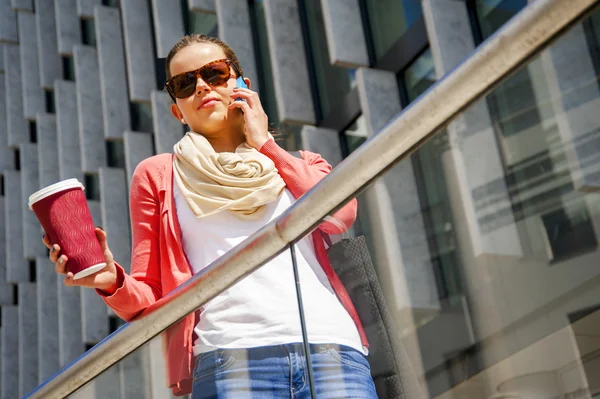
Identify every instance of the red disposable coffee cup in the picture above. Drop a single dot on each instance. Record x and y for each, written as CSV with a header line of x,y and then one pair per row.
x,y
63,212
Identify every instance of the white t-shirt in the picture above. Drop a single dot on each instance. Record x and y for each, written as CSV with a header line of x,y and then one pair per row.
x,y
262,309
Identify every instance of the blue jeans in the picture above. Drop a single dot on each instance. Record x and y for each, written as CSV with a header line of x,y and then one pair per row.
x,y
280,372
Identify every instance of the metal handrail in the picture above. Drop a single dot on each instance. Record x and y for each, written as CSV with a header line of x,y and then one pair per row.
x,y
521,38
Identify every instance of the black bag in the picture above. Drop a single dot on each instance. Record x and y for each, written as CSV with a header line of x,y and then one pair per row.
x,y
391,370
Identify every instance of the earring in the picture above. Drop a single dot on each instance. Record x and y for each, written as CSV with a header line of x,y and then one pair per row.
x,y
183,121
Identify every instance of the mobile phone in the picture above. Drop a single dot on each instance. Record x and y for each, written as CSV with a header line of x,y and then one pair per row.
x,y
240,83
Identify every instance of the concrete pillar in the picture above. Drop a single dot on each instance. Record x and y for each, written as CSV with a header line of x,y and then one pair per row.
x,y
68,31
322,141
50,63
28,338
137,32
47,319
113,79
8,23
70,341
94,319
91,128
235,29
168,25
16,125
17,268
67,131
30,183
22,5
85,8
9,353
167,129
115,214
288,62
394,209
6,297
138,146
33,95
474,154
6,155
47,150
345,34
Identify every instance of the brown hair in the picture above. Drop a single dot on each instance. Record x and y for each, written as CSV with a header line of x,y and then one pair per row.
x,y
197,38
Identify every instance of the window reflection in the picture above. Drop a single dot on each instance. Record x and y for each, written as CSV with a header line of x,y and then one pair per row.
x,y
389,19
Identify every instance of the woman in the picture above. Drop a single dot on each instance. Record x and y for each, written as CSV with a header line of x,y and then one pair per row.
x,y
226,179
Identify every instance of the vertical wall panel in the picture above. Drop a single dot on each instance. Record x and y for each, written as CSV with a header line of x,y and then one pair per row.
x,y
28,338
167,129
70,341
138,146
94,319
6,155
18,131
16,265
288,62
8,23
33,95
137,31
67,122
345,34
50,64
115,214
85,8
47,319
91,130
134,384
9,353
47,150
235,29
404,257
68,30
168,25
113,79
1,59
5,288
22,5
30,183
202,5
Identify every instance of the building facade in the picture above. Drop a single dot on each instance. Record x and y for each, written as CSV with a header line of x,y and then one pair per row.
x,y
485,240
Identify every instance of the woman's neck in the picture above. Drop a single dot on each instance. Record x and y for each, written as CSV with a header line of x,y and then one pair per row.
x,y
227,140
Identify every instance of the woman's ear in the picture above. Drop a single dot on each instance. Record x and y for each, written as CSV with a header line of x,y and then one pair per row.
x,y
248,83
176,112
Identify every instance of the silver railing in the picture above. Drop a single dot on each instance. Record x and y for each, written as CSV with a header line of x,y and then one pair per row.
x,y
521,38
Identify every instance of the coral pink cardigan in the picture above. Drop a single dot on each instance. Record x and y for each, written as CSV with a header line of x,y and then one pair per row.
x,y
159,264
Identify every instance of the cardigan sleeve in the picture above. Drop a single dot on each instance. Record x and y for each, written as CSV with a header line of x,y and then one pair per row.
x,y
142,287
300,175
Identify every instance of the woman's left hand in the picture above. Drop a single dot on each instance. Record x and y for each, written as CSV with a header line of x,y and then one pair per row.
x,y
255,119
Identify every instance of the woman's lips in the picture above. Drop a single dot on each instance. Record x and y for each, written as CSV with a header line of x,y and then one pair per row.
x,y
207,104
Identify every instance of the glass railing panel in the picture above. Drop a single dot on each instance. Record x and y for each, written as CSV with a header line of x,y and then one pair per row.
x,y
485,241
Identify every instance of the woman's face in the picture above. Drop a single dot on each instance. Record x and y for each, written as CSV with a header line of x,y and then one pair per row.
x,y
206,111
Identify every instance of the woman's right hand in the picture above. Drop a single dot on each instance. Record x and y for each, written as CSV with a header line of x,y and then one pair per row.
x,y
104,280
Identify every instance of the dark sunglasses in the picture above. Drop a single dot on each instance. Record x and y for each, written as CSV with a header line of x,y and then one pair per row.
x,y
215,73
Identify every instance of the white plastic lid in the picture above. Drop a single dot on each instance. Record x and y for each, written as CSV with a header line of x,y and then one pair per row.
x,y
53,189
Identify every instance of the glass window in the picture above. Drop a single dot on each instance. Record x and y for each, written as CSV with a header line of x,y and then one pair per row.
x,y
492,14
88,32
141,117
115,153
354,135
201,22
419,75
68,68
389,20
332,82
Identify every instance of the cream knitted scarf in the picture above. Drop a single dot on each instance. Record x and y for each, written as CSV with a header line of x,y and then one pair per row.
x,y
242,182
